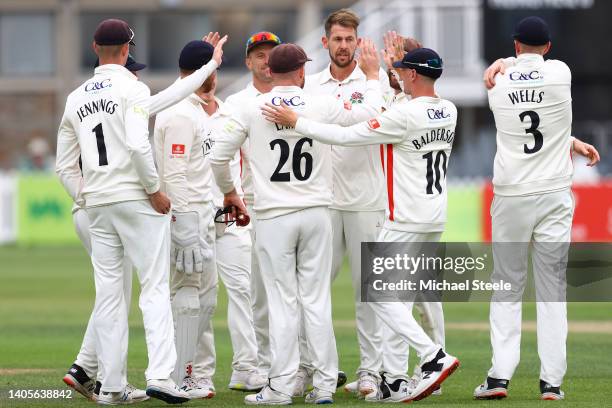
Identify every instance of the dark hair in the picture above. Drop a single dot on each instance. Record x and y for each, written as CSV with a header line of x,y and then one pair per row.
x,y
343,17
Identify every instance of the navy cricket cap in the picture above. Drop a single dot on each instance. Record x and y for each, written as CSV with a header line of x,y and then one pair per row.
x,y
532,31
195,55
424,61
114,32
130,65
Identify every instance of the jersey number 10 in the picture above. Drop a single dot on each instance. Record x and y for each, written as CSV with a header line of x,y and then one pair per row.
x,y
441,160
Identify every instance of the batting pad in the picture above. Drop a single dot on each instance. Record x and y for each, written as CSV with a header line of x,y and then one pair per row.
x,y
186,311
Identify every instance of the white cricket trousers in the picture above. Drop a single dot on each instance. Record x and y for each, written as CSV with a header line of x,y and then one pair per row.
x,y
544,220
295,256
350,229
395,350
135,229
259,301
397,316
204,360
87,358
234,267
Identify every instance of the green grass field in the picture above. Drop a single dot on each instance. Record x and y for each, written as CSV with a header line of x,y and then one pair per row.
x,y
46,296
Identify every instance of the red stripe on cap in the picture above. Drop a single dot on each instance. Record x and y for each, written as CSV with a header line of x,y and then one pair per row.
x,y
390,180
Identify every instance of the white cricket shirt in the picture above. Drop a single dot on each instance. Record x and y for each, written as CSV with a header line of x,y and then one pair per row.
x,y
181,150
106,122
358,179
290,172
532,106
418,135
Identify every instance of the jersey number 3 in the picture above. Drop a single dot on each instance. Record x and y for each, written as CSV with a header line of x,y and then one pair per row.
x,y
102,159
537,135
298,155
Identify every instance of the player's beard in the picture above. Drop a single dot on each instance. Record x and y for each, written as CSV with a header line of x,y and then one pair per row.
x,y
342,64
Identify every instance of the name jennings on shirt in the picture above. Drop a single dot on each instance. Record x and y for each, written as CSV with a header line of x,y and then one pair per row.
x,y
100,105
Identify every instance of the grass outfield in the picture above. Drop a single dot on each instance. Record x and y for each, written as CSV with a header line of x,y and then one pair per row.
x,y
46,297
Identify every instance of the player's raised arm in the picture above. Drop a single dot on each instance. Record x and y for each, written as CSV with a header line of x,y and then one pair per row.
x,y
497,67
67,159
136,137
189,84
363,133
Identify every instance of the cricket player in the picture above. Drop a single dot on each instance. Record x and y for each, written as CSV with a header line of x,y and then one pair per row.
x,y
181,149
532,174
395,350
233,254
291,186
358,199
106,123
258,48
418,136
83,373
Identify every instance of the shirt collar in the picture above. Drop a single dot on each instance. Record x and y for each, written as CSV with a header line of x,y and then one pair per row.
x,y
252,90
114,68
427,99
290,88
530,57
326,75
195,99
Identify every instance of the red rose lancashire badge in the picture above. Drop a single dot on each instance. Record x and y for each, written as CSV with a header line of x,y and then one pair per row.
x,y
357,97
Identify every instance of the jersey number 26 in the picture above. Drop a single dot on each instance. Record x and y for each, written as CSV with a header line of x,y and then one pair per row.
x,y
298,155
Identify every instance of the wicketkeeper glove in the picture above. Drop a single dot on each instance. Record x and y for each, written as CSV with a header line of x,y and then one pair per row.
x,y
188,252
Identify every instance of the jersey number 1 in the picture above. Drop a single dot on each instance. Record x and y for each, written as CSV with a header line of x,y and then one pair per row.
x,y
102,160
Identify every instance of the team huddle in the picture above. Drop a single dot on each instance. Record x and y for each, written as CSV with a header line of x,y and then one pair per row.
x,y
270,190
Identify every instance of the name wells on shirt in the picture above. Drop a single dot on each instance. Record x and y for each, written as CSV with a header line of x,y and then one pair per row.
x,y
526,95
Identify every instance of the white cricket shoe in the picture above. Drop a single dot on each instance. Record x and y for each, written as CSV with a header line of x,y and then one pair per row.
x,y
492,388
367,384
130,395
267,396
433,373
247,381
352,387
167,391
303,382
77,379
198,388
317,396
550,393
398,390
